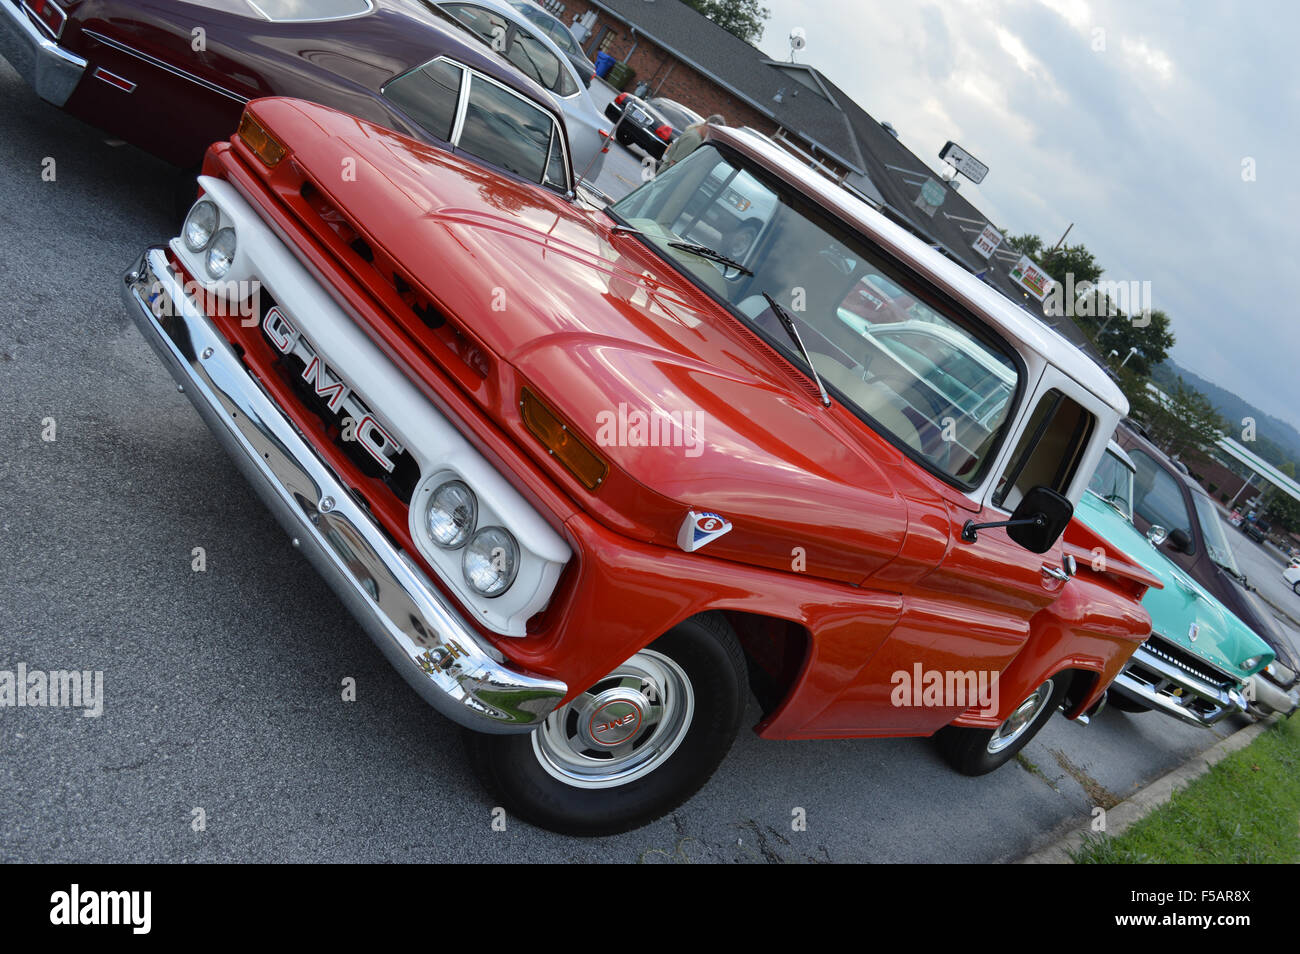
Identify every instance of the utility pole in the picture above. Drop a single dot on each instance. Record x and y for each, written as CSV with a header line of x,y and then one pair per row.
x,y
1067,232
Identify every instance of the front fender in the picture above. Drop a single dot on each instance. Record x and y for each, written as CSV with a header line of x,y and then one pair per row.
x,y
1092,627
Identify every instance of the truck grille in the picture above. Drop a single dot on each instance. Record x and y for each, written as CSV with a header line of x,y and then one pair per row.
x,y
414,312
1175,655
326,394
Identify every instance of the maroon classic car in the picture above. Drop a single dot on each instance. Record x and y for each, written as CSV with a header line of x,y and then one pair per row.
x,y
173,77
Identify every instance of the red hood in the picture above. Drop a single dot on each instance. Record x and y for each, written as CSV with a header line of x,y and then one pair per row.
x,y
604,331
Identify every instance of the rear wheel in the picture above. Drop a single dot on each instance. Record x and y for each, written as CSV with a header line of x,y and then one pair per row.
x,y
1295,587
979,751
623,136
632,747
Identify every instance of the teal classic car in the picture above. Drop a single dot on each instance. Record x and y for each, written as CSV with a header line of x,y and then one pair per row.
x,y
1200,659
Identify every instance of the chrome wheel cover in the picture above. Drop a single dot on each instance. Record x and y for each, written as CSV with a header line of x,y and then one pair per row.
x,y
1020,720
622,728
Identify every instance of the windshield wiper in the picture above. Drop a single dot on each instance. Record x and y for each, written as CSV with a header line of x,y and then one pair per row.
x,y
787,322
703,251
1115,500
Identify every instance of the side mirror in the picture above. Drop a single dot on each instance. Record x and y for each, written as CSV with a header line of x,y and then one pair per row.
x,y
1037,523
1180,540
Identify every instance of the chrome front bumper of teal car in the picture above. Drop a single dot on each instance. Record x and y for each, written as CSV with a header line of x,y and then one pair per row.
x,y
1166,679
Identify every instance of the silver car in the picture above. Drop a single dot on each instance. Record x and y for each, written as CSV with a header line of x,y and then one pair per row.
x,y
508,32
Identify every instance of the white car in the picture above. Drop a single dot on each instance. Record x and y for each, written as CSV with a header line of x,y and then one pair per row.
x,y
507,31
1292,574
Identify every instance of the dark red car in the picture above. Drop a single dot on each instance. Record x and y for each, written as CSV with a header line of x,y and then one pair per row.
x,y
173,77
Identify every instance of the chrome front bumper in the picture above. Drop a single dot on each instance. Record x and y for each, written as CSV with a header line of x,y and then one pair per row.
x,y
415,626
1170,689
1268,697
46,67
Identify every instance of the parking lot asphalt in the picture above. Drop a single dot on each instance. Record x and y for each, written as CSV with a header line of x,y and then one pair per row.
x,y
224,734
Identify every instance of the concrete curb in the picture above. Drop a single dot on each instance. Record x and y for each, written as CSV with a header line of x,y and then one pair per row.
x,y
1142,803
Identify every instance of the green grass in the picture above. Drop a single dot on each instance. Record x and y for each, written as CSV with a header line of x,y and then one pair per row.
x,y
1245,810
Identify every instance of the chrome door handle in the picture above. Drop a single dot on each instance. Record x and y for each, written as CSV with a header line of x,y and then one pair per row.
x,y
1055,572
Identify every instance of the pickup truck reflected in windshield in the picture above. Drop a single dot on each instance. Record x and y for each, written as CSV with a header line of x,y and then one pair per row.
x,y
941,391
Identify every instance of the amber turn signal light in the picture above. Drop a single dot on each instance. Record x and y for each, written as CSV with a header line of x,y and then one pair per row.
x,y
259,141
579,459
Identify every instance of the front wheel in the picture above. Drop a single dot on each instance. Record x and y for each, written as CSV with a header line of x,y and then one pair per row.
x,y
634,746
980,751
1295,587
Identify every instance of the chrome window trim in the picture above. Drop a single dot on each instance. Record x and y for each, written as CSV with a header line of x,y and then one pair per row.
x,y
370,8
162,65
468,76
555,122
462,103
56,34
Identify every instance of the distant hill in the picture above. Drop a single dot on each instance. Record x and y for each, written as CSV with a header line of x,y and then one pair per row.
x,y
1277,441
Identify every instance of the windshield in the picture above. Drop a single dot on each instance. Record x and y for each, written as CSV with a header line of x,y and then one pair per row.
x,y
1216,541
924,377
556,30
1113,483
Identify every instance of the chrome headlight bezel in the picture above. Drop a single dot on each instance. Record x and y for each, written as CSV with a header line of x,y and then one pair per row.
x,y
203,208
468,527
480,554
223,243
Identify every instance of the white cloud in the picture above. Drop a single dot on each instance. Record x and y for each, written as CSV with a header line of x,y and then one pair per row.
x,y
1076,12
1138,144
1012,45
1157,61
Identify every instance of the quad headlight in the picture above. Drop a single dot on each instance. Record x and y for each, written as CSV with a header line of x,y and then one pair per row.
x,y
452,514
491,561
221,255
200,225
1252,662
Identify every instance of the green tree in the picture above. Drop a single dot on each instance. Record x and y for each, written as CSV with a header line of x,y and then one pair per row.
x,y
1186,423
1027,244
1285,510
1143,406
742,18
1072,260
1148,333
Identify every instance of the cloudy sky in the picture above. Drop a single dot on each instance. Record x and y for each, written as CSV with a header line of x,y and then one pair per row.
x,y
1168,133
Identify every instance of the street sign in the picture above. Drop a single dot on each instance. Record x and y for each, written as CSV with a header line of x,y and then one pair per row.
x,y
1031,278
963,162
987,242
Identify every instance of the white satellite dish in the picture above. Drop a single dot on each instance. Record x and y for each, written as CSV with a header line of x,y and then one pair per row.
x,y
798,39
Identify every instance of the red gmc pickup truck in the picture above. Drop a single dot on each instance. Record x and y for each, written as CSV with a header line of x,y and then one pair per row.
x,y
589,481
